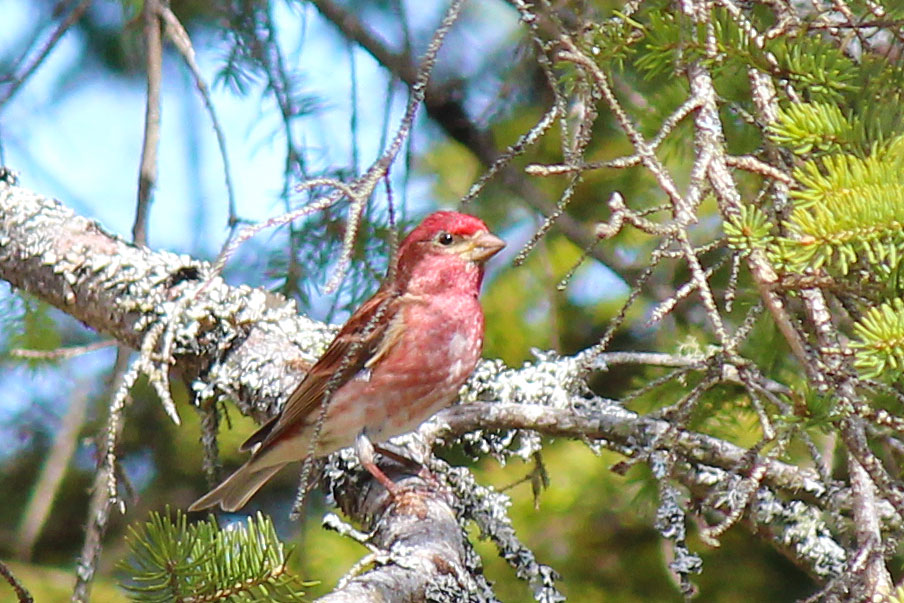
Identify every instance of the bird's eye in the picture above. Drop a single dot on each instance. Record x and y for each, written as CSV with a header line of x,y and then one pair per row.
x,y
444,238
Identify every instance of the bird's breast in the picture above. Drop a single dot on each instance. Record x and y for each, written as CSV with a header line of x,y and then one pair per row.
x,y
443,337
440,344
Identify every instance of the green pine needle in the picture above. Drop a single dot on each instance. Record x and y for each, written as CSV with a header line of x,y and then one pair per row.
x,y
848,210
880,349
812,127
897,596
750,230
171,560
816,66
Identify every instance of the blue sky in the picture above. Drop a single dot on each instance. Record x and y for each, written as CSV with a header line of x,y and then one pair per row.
x,y
84,146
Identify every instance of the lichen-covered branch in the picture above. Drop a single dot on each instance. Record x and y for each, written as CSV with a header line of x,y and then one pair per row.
x,y
246,344
422,551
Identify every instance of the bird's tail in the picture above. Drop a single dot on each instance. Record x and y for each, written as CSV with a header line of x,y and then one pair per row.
x,y
236,489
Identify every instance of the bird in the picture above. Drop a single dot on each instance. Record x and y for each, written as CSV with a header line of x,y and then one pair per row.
x,y
402,356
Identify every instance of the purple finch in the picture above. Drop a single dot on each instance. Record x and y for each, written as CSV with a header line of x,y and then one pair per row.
x,y
402,356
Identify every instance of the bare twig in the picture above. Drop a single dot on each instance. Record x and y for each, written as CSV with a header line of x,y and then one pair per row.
x,y
62,353
51,477
180,39
527,139
74,15
752,164
147,173
364,186
443,106
210,426
22,594
102,499
642,148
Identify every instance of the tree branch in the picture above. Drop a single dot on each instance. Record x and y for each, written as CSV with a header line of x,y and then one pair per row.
x,y
22,594
246,344
51,477
422,550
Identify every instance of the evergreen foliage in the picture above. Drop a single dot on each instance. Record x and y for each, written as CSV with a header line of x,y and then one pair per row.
x,y
849,210
172,560
847,220
820,69
750,230
880,349
806,128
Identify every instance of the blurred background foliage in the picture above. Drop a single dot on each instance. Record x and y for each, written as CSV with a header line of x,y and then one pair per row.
x,y
593,525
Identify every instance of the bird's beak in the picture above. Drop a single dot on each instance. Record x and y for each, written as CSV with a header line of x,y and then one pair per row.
x,y
482,246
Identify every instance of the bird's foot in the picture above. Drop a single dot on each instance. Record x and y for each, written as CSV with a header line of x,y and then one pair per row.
x,y
418,468
364,448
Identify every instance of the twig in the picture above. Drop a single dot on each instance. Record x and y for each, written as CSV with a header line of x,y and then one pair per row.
x,y
867,472
752,164
364,186
668,125
181,40
526,140
61,353
643,149
636,288
869,531
210,426
621,214
51,477
61,29
443,107
572,150
666,306
706,294
730,203
102,500
22,593
147,173
671,522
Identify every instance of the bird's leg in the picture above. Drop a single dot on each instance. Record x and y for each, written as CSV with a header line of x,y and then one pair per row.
x,y
365,451
398,457
419,467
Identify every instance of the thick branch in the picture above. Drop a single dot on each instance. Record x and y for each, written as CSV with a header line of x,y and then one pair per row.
x,y
620,429
423,554
245,342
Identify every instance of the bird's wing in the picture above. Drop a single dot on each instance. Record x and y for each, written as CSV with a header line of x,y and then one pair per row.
x,y
367,336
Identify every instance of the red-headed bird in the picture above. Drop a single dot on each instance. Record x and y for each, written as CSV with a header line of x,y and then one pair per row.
x,y
401,357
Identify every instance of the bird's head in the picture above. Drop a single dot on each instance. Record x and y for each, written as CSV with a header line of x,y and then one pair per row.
x,y
447,249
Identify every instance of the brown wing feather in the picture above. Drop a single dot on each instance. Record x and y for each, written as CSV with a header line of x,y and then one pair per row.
x,y
368,334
